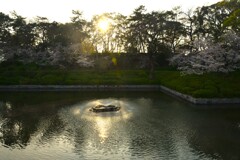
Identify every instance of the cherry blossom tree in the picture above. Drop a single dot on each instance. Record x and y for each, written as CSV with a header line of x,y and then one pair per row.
x,y
212,57
57,56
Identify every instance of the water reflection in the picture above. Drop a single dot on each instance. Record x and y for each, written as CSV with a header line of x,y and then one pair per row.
x,y
102,122
153,126
19,123
219,137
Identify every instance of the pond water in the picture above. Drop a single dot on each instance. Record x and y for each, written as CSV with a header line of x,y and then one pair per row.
x,y
150,125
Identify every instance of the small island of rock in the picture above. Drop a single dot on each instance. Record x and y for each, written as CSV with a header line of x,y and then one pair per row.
x,y
105,108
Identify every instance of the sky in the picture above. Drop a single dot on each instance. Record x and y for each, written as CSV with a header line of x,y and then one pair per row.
x,y
61,10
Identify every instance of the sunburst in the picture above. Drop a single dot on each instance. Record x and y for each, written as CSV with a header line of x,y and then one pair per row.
x,y
103,25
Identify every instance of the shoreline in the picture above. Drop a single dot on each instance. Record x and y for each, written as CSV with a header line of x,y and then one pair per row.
x,y
200,101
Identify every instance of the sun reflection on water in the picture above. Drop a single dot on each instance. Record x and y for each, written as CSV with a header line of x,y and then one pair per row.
x,y
77,111
103,125
103,122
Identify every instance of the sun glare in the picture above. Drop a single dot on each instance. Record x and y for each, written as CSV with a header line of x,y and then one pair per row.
x,y
103,25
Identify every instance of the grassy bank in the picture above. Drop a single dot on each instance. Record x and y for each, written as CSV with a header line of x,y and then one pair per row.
x,y
207,85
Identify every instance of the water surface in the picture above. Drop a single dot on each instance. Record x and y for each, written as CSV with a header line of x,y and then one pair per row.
x,y
150,125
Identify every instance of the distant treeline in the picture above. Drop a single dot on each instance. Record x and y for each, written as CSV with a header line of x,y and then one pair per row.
x,y
164,33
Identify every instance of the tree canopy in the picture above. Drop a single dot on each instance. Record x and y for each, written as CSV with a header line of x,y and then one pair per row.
x,y
165,33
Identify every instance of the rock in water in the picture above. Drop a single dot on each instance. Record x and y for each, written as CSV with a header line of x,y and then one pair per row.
x,y
105,108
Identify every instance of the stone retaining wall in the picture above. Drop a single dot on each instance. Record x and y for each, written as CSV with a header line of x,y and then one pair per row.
x,y
200,100
77,87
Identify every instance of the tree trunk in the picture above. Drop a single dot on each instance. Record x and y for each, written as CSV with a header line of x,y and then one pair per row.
x,y
151,66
